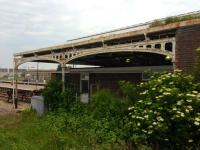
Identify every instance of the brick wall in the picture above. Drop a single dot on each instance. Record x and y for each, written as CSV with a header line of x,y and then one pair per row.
x,y
187,41
111,80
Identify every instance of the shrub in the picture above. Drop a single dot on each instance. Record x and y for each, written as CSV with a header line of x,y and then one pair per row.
x,y
167,114
68,98
55,98
105,104
52,93
129,91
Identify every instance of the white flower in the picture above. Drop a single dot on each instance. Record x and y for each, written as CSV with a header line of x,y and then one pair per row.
x,y
166,139
138,124
130,108
145,92
150,126
189,100
133,116
140,101
191,95
166,93
160,118
149,103
197,119
182,114
195,92
190,107
190,140
144,131
154,123
196,123
179,102
187,111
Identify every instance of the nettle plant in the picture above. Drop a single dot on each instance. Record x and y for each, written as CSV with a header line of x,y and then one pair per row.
x,y
167,113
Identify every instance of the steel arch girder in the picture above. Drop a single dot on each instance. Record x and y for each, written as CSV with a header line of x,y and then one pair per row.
x,y
21,61
89,52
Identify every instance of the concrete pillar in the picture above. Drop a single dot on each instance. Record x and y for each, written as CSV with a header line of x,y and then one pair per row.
x,y
63,66
174,55
15,86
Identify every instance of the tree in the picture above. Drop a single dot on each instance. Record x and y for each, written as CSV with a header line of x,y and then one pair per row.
x,y
167,114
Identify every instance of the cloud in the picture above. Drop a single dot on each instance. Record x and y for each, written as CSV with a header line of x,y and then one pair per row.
x,y
28,24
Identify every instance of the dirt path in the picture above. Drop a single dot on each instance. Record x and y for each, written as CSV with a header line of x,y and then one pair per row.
x,y
7,108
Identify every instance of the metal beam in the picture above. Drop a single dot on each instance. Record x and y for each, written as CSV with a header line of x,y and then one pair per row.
x,y
63,66
15,85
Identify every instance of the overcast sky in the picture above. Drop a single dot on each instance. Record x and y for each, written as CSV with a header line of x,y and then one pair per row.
x,y
28,24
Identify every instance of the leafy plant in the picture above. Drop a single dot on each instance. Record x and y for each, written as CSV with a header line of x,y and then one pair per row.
x,y
129,91
167,112
174,20
52,93
55,98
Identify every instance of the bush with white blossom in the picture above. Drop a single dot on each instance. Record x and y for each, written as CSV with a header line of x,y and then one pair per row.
x,y
167,113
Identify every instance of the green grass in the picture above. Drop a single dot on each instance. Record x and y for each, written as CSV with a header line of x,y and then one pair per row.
x,y
26,131
174,20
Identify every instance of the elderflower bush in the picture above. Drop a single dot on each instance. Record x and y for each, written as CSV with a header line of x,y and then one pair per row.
x,y
167,112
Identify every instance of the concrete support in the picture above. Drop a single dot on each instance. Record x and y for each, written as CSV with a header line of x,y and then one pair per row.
x,y
174,55
15,85
63,66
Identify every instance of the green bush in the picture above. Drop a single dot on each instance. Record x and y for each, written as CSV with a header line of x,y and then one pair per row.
x,y
167,114
52,94
105,104
55,98
129,91
164,114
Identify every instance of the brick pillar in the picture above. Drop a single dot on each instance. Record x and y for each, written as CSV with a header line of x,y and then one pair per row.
x,y
187,41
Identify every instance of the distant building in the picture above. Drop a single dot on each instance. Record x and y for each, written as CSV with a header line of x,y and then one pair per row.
x,y
40,76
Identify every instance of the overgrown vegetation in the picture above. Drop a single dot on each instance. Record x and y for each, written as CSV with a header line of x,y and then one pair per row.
x,y
55,98
163,113
167,113
30,132
174,20
99,122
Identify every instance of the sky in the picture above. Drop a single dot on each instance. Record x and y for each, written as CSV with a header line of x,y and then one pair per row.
x,y
29,24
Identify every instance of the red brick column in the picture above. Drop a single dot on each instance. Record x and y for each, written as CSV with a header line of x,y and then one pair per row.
x,y
187,41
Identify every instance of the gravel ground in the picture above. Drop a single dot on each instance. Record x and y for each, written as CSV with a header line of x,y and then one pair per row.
x,y
8,108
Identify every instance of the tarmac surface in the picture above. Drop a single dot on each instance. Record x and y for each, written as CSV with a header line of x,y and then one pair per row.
x,y
8,108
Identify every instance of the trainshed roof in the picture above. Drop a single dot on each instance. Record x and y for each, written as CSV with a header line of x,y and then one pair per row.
x,y
134,30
